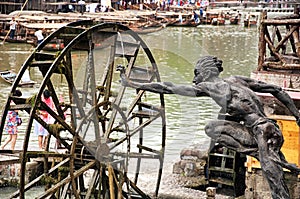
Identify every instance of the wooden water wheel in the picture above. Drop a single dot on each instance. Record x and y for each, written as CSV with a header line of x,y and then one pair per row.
x,y
111,136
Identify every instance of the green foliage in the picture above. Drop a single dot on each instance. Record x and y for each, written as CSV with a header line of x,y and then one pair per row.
x,y
31,100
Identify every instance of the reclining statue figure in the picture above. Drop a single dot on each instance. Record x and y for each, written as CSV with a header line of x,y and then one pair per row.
x,y
243,125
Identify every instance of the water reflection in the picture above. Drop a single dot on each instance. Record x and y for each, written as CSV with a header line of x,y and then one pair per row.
x,y
176,50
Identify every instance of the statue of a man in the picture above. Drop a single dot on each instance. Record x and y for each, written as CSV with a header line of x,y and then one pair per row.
x,y
242,125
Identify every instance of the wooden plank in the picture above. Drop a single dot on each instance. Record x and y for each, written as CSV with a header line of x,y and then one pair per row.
x,y
42,56
281,22
8,159
261,43
46,63
279,65
11,3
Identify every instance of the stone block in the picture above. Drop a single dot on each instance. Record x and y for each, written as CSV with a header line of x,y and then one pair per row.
x,y
195,152
189,168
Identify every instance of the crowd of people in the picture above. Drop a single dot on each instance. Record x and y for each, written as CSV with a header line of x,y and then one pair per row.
x,y
13,121
168,3
81,6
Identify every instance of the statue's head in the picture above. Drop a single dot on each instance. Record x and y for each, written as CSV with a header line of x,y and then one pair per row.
x,y
206,68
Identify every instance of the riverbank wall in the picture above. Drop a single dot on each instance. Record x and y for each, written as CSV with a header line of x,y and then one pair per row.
x,y
10,172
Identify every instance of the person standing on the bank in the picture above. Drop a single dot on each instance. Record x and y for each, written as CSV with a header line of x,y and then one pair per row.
x,y
12,122
39,35
39,130
12,27
81,3
196,17
201,12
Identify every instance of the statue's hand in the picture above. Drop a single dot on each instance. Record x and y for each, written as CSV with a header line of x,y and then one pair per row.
x,y
124,79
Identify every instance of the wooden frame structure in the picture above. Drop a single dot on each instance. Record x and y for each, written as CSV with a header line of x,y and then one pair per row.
x,y
281,37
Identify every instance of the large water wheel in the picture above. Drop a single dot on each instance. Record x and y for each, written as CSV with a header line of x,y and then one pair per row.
x,y
112,136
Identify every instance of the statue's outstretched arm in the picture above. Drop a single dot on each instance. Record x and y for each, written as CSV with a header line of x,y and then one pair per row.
x,y
160,87
276,91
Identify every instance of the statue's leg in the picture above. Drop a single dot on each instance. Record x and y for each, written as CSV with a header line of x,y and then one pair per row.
x,y
285,164
232,135
269,140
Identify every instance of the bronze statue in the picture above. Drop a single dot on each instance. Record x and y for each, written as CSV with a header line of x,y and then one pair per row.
x,y
242,124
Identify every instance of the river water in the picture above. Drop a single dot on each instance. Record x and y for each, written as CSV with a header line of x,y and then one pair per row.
x,y
176,50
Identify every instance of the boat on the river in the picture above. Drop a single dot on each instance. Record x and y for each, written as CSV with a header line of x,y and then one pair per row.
x,y
234,18
234,21
185,23
9,77
147,29
54,45
178,19
9,40
250,20
218,21
215,17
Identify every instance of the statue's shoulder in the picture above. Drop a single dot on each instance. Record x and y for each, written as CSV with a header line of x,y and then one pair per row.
x,y
236,79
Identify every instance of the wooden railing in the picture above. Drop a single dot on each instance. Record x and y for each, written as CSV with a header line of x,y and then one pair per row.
x,y
279,42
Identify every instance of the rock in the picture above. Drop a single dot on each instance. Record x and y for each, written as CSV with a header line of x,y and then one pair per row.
x,y
192,165
190,168
195,152
211,192
192,182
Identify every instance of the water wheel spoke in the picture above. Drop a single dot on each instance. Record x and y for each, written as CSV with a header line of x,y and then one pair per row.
x,y
66,180
56,101
92,183
65,190
133,132
137,190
